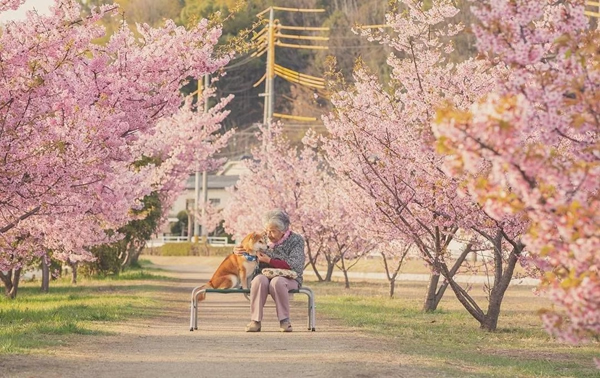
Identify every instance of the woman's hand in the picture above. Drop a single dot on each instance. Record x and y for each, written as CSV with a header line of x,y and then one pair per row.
x,y
263,257
238,250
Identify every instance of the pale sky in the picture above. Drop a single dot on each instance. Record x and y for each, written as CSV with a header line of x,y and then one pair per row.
x,y
42,6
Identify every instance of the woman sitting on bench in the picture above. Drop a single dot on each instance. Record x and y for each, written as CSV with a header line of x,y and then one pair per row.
x,y
286,251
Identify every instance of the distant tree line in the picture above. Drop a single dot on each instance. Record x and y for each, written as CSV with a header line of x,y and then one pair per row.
x,y
241,74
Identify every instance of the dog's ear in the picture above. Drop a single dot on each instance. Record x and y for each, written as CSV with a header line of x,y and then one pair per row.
x,y
247,242
260,236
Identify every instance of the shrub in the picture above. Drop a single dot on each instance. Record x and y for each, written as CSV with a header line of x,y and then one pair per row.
x,y
176,249
107,261
187,249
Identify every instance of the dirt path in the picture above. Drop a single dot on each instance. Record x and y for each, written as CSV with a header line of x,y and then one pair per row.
x,y
164,347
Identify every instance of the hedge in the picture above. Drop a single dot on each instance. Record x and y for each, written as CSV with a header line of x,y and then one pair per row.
x,y
188,249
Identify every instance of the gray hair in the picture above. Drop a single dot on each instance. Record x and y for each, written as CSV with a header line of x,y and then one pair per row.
x,y
277,218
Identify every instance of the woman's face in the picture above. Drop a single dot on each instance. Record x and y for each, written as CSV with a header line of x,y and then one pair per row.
x,y
273,233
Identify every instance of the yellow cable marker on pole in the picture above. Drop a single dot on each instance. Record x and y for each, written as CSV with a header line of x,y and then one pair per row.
x,y
301,46
297,118
304,28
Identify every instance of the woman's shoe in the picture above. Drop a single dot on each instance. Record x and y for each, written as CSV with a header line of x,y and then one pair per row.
x,y
285,326
253,327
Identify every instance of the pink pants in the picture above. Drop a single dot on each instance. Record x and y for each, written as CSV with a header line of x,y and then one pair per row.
x,y
278,287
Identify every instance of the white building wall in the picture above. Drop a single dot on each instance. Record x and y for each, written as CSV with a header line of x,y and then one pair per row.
x,y
216,190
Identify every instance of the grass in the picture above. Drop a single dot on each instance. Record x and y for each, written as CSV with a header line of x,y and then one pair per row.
x,y
141,274
35,320
411,265
449,340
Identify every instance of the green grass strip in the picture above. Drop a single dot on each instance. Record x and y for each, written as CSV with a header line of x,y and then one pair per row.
x,y
451,342
34,320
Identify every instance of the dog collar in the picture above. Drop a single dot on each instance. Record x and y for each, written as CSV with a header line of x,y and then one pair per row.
x,y
249,257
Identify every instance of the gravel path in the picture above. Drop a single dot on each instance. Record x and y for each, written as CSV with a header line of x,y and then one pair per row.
x,y
164,346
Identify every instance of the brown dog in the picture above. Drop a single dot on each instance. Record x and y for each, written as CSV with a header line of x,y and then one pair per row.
x,y
234,270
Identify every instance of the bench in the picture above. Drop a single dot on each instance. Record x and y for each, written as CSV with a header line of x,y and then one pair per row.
x,y
199,289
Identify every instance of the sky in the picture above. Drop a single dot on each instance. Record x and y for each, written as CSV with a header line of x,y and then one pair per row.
x,y
42,6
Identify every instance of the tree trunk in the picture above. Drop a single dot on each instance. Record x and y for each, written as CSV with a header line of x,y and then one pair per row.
x,y
431,299
501,283
435,294
502,277
346,280
312,260
490,321
329,274
392,276
11,282
45,275
134,256
73,266
314,267
190,227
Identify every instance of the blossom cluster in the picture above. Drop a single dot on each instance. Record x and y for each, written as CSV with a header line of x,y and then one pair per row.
x,y
538,132
88,130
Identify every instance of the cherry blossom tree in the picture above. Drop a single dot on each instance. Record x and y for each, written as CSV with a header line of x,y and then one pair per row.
x,y
279,178
10,4
300,182
272,182
389,251
82,126
344,240
536,136
382,140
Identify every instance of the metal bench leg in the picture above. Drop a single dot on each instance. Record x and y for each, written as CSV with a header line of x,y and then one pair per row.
x,y
311,308
314,312
194,308
197,306
309,314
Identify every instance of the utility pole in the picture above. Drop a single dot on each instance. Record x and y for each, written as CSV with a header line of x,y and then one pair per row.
x,y
202,219
595,11
270,67
195,208
267,38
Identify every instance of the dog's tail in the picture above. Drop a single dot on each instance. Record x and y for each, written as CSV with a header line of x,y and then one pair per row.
x,y
202,295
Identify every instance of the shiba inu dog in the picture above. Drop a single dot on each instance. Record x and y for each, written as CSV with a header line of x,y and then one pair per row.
x,y
235,269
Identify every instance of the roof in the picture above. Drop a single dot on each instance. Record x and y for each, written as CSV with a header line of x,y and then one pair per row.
x,y
213,181
234,167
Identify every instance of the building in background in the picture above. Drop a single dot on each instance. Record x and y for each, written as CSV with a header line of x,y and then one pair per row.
x,y
217,196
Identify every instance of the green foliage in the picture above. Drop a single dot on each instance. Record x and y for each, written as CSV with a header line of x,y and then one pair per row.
x,y
132,275
111,258
176,249
243,71
151,12
192,249
449,342
34,320
107,260
180,227
148,217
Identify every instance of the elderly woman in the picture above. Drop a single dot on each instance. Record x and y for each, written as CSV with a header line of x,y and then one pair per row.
x,y
286,251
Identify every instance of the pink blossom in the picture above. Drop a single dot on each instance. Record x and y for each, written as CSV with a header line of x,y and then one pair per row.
x,y
78,119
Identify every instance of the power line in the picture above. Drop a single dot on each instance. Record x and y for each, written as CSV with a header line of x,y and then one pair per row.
x,y
269,40
249,58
